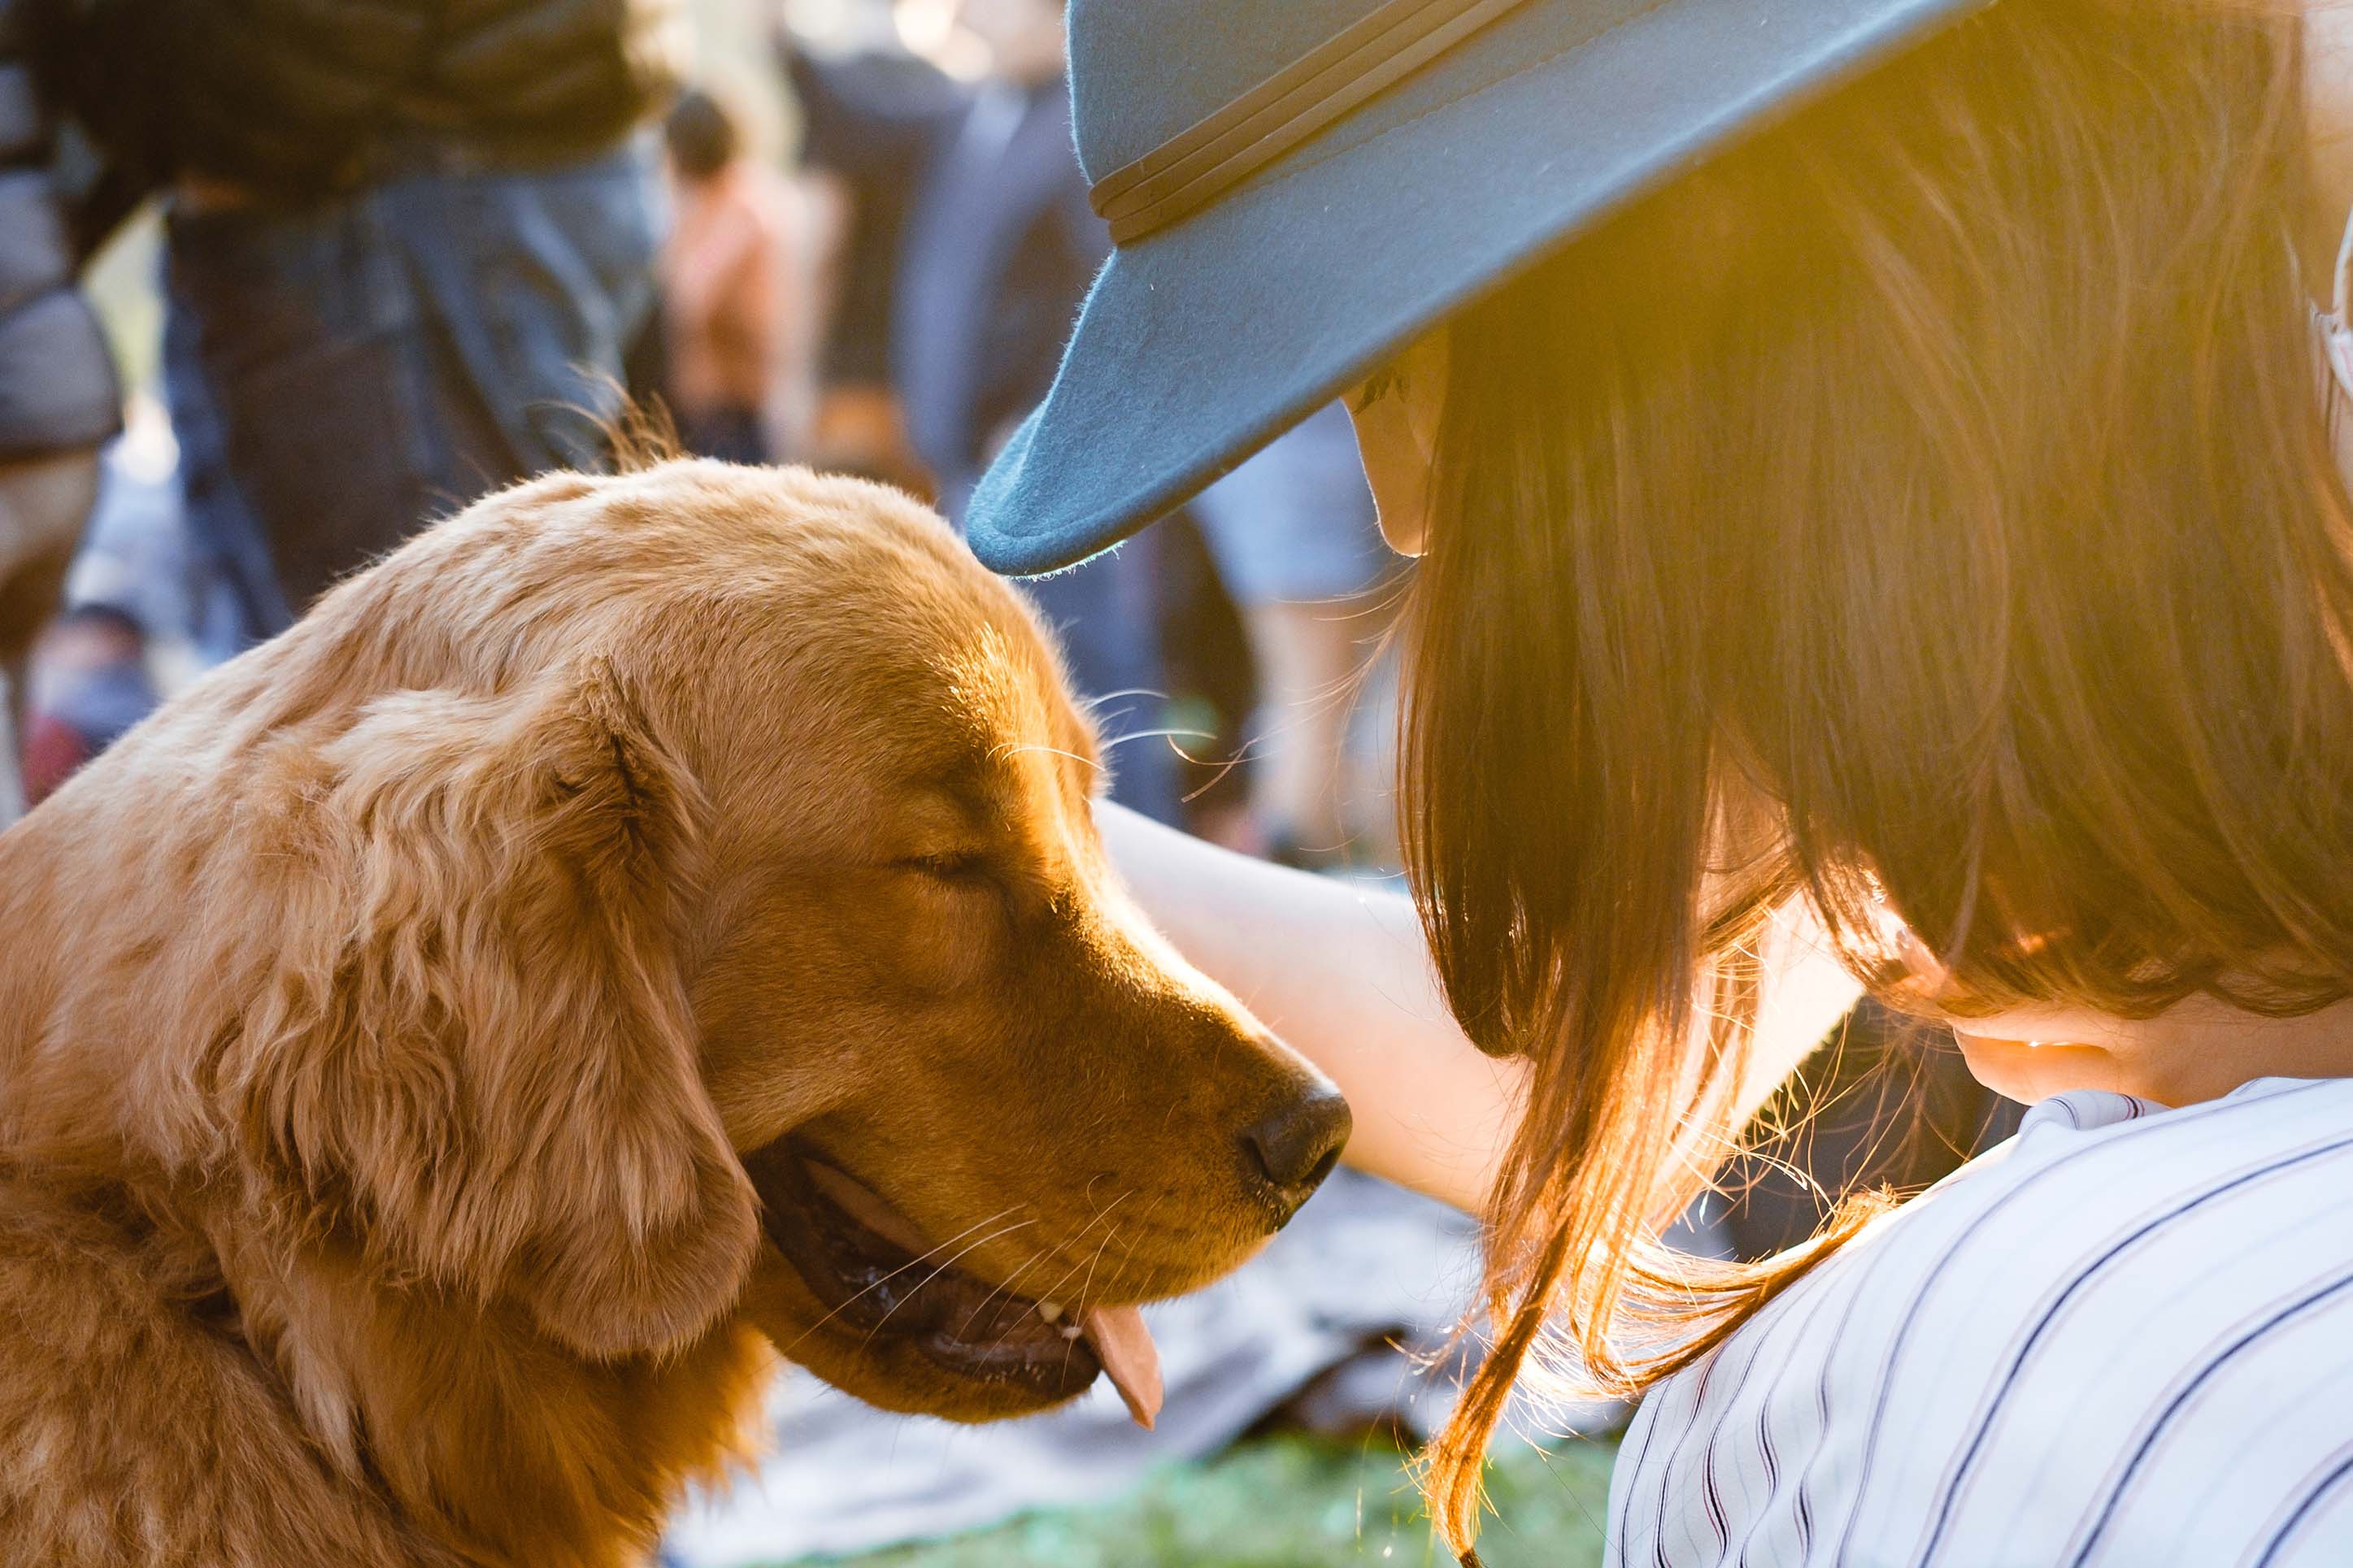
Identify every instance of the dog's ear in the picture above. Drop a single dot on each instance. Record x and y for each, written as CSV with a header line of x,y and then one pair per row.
x,y
498,1088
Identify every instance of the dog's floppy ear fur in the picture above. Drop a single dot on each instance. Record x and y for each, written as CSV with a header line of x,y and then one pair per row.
x,y
486,1066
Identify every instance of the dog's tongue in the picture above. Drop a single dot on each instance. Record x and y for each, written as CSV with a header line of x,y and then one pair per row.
x,y
1129,1357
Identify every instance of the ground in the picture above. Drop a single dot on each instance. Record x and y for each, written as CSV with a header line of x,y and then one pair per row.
x,y
1297,1502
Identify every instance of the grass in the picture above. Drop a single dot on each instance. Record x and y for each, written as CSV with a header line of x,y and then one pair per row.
x,y
1297,1502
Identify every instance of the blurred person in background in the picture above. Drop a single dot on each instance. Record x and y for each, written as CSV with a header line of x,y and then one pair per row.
x,y
404,250
1296,542
145,610
732,292
999,249
58,396
992,251
869,115
91,687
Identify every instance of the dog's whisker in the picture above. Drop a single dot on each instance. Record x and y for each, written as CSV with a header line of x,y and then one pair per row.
x,y
1095,1263
1093,704
915,1262
1054,1291
1102,1214
1218,777
1006,1291
1116,742
1089,1283
1144,1227
1057,1290
993,1236
1147,1224
1017,747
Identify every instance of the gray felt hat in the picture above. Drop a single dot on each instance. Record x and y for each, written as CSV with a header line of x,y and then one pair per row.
x,y
1299,187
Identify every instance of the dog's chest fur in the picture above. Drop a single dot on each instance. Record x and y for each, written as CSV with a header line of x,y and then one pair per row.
x,y
139,1423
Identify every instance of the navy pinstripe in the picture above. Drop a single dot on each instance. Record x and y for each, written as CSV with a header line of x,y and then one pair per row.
x,y
2173,1406
2125,1337
2064,1105
2327,1484
2073,1287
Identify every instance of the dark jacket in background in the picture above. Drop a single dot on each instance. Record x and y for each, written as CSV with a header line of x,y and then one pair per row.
x,y
872,121
57,383
300,99
1000,249
970,248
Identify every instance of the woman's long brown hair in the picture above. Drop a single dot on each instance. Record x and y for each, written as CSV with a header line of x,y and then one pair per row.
x,y
1927,508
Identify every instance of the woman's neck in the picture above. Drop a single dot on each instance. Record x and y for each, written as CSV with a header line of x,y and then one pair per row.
x,y
2201,1049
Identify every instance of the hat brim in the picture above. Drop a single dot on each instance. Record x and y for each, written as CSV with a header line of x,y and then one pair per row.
x,y
1201,343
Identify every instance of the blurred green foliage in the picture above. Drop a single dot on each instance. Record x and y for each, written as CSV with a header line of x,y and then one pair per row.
x,y
1298,1503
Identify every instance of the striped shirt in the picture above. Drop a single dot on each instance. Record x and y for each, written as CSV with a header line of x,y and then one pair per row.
x,y
2123,1338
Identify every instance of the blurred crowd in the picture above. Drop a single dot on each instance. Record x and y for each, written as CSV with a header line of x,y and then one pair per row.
x,y
403,264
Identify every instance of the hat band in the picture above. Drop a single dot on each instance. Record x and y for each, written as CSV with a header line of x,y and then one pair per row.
x,y
1200,163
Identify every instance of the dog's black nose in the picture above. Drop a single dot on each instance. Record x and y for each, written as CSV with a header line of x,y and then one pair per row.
x,y
1293,1148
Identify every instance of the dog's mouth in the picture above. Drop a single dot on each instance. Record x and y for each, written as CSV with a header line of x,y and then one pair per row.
x,y
873,1272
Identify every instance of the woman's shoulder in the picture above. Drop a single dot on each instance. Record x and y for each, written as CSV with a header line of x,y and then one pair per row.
x,y
2090,1169
2127,1327
2097,1190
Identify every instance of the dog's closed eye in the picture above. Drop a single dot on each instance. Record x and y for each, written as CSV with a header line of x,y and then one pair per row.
x,y
959,865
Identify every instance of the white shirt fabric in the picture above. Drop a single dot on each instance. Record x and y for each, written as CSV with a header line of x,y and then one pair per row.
x,y
2123,1338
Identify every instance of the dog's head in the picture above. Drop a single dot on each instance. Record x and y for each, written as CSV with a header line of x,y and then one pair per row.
x,y
689,902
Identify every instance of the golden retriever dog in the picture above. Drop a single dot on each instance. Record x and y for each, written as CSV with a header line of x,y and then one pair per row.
x,y
646,927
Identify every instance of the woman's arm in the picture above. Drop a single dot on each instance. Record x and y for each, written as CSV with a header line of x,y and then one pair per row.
x,y
2328,65
1341,972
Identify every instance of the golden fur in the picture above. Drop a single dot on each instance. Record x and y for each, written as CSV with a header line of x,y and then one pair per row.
x,y
383,1023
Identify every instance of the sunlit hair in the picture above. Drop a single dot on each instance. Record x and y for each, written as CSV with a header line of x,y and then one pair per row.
x,y
1927,509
